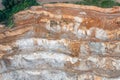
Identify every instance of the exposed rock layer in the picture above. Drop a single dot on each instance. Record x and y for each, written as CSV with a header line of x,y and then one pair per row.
x,y
62,42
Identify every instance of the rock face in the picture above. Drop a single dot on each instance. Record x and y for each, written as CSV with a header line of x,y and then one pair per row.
x,y
118,1
1,6
62,42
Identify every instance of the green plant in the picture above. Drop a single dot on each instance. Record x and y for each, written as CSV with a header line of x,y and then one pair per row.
x,y
100,3
12,7
2,15
10,3
110,3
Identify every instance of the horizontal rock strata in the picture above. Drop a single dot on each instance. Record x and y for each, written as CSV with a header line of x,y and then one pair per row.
x,y
62,42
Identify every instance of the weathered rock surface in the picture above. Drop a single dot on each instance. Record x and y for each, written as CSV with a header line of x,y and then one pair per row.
x,y
62,42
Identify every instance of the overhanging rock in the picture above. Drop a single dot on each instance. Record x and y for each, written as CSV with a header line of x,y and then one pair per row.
x,y
62,42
